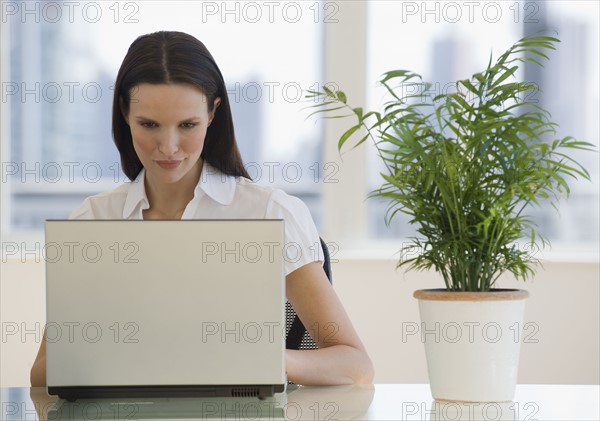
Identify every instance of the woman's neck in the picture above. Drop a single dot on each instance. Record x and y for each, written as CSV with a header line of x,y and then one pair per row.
x,y
169,200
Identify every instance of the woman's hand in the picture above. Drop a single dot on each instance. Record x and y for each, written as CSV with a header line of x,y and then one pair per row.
x,y
37,376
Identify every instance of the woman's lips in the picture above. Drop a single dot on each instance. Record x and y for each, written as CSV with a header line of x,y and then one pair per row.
x,y
169,165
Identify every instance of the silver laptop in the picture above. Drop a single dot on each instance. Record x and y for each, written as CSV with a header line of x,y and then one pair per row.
x,y
165,308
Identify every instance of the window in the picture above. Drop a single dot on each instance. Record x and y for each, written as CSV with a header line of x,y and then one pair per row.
x,y
444,41
59,61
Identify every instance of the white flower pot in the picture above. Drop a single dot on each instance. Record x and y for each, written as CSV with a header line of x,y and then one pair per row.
x,y
472,343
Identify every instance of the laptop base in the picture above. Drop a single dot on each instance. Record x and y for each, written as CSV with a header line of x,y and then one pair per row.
x,y
72,393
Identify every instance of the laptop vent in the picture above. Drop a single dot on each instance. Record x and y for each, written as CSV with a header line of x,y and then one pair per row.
x,y
244,392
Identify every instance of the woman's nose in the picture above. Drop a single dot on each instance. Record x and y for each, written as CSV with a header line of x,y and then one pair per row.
x,y
169,143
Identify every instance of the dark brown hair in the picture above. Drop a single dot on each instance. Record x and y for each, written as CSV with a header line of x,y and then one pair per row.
x,y
175,58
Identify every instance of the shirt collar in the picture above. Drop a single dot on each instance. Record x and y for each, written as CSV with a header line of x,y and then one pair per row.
x,y
216,185
136,196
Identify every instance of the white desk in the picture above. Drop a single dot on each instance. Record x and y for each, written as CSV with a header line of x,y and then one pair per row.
x,y
374,402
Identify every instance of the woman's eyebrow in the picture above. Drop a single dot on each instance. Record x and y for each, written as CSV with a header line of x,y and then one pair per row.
x,y
186,120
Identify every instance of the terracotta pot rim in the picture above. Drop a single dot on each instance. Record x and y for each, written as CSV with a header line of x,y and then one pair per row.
x,y
496,294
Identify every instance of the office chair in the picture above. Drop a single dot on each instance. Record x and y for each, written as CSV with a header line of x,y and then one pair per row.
x,y
297,336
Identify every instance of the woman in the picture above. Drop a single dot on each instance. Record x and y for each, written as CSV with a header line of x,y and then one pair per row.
x,y
173,128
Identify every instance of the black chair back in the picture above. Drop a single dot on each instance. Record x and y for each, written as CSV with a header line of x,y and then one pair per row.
x,y
297,336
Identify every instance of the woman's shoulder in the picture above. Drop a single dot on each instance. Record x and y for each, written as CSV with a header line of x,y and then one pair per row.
x,y
301,236
105,205
274,199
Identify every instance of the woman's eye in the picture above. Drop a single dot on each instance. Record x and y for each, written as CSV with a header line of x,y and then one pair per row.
x,y
148,124
188,125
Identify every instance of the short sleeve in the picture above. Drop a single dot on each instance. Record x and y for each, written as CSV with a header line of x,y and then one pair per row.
x,y
302,242
83,211
105,205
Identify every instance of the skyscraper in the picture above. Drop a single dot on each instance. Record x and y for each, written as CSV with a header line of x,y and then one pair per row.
x,y
61,147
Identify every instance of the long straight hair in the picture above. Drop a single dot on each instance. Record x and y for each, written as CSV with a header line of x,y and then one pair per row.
x,y
167,57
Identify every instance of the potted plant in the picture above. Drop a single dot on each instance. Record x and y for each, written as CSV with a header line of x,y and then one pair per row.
x,y
466,165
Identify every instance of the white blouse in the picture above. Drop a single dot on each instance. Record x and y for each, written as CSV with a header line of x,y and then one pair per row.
x,y
220,196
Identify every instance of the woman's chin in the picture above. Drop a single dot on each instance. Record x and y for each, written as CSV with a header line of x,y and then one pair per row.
x,y
175,176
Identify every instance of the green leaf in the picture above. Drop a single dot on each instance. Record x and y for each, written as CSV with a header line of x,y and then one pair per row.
x,y
347,134
510,72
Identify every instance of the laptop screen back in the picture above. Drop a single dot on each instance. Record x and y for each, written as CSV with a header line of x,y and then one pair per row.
x,y
160,303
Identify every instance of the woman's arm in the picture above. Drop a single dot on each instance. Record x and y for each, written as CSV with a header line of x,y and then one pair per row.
x,y
37,376
341,357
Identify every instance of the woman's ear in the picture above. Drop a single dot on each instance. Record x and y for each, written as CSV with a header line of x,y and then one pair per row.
x,y
216,104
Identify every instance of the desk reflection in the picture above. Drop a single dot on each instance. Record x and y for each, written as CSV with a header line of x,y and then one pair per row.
x,y
330,402
298,403
381,402
473,411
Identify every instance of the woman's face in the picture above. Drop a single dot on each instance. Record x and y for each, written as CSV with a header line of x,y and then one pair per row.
x,y
168,125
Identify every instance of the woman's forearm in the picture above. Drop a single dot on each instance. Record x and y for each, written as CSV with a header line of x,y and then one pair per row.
x,y
38,373
334,365
37,376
